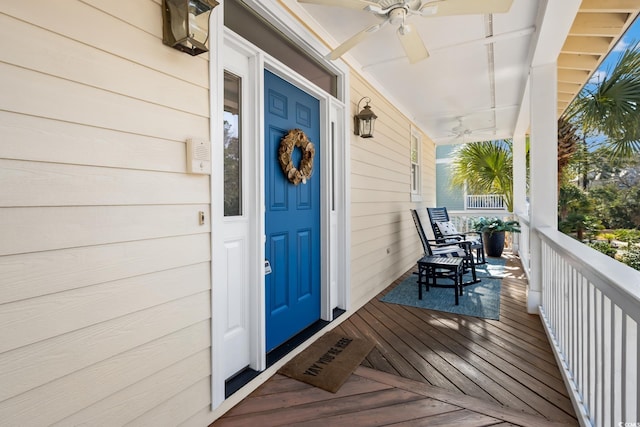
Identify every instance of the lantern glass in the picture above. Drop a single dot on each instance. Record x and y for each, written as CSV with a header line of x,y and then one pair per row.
x,y
186,24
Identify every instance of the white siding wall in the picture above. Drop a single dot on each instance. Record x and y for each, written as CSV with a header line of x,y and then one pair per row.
x,y
104,269
384,240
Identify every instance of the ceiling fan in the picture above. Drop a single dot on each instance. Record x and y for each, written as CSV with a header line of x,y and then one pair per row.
x,y
462,132
397,12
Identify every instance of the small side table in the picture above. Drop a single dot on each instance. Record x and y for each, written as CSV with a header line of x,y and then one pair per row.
x,y
432,267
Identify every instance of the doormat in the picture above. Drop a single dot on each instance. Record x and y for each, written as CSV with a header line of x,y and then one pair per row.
x,y
328,362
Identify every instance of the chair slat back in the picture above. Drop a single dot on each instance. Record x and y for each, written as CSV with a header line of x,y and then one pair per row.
x,y
437,214
423,237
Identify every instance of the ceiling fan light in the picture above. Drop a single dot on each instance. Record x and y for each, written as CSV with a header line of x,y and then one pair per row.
x,y
397,16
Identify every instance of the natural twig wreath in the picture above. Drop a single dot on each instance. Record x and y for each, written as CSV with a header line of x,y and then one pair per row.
x,y
296,138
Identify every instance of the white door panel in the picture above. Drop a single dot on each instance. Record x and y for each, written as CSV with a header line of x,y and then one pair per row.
x,y
237,223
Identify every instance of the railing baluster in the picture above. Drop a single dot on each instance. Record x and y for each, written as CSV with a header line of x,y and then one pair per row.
x,y
633,393
617,365
592,353
607,358
573,321
484,201
584,341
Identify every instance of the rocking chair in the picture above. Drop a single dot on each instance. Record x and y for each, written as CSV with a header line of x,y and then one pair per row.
x,y
429,268
445,231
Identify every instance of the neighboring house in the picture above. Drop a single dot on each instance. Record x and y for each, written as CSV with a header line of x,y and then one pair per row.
x,y
445,195
126,294
622,178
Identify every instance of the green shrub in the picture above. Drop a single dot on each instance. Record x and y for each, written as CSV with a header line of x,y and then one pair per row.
x,y
631,257
607,236
628,235
604,247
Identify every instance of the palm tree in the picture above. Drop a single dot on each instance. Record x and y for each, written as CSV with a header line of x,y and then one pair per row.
x,y
568,144
486,168
611,106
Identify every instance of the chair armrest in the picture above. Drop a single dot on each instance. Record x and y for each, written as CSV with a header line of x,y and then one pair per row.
x,y
462,244
449,238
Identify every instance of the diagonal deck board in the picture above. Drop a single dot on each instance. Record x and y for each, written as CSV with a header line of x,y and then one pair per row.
x,y
430,368
493,372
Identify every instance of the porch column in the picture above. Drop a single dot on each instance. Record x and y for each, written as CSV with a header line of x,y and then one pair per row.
x,y
544,169
519,180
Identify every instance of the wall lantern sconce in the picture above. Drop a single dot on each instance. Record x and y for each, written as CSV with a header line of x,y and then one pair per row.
x,y
186,24
364,120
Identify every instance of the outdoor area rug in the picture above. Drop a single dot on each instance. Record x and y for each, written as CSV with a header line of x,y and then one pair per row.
x,y
494,268
328,362
479,300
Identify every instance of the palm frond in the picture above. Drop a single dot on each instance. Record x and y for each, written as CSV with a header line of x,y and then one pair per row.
x,y
612,106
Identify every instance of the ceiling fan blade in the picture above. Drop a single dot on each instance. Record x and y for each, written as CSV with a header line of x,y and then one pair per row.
x,y
350,4
412,43
464,7
354,40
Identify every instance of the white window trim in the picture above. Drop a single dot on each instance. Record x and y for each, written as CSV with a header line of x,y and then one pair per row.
x,y
416,193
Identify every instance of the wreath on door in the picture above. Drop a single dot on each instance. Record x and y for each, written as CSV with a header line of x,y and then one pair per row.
x,y
296,138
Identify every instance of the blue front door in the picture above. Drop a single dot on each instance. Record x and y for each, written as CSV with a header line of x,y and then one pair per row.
x,y
292,217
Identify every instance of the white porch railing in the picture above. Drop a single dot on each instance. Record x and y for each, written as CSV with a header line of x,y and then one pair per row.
x,y
591,309
464,219
484,201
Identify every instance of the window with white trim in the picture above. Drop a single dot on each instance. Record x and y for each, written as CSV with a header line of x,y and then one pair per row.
x,y
416,165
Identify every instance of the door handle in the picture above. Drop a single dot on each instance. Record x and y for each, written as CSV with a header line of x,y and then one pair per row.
x,y
267,267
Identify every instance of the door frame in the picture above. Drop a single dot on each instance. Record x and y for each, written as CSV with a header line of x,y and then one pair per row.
x,y
335,205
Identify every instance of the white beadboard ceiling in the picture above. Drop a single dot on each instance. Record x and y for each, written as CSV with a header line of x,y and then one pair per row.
x,y
478,65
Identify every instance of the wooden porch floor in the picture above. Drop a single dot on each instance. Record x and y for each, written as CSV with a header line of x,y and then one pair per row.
x,y
430,368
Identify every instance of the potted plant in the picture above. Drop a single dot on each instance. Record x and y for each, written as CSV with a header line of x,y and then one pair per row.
x,y
493,230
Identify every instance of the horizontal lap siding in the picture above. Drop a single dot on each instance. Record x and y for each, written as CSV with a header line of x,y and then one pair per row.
x,y
384,243
104,268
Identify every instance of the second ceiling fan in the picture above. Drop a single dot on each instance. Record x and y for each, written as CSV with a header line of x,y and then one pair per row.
x,y
397,12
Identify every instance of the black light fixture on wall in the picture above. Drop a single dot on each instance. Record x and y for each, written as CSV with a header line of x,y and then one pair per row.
x,y
186,24
364,120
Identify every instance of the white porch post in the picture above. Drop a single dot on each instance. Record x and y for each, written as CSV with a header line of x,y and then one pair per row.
x,y
519,179
544,169
520,174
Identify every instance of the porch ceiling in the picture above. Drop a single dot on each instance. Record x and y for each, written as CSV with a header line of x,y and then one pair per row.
x,y
478,64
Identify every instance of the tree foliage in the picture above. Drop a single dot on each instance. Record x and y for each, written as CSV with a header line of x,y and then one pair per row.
x,y
232,170
485,168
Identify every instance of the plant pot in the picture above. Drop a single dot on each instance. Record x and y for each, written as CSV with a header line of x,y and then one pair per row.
x,y
493,243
